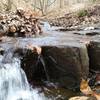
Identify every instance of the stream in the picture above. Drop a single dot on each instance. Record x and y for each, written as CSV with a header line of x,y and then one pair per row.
x,y
13,81
14,84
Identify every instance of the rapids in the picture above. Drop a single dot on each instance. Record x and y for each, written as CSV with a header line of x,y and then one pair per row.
x,y
13,81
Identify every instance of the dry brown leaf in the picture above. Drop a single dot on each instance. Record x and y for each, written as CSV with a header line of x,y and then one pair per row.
x,y
35,48
85,88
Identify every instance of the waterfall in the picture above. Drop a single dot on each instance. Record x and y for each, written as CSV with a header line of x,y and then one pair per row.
x,y
46,26
13,82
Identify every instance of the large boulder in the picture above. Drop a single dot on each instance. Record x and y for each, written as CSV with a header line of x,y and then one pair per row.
x,y
94,54
64,59
66,64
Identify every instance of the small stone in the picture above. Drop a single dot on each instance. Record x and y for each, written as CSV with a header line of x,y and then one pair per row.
x,y
12,29
89,28
82,98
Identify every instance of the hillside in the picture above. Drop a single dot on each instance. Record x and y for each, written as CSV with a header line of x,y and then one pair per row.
x,y
89,16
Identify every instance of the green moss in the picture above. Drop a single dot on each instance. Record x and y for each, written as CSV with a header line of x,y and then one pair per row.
x,y
82,13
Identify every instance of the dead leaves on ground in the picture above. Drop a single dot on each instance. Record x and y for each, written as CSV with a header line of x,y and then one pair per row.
x,y
86,89
22,23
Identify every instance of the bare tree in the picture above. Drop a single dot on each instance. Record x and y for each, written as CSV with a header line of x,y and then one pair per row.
x,y
7,5
43,5
61,3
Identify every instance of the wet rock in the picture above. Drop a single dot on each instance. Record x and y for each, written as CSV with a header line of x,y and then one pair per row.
x,y
89,28
69,29
94,54
29,61
97,79
66,64
87,33
92,33
65,60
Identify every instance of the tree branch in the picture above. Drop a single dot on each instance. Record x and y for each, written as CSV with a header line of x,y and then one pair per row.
x,y
36,7
51,3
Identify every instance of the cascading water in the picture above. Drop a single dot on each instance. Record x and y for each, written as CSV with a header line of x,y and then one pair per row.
x,y
13,81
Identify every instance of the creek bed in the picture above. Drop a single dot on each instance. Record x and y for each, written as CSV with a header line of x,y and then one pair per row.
x,y
64,50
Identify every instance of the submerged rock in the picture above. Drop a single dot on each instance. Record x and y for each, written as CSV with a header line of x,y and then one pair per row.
x,y
87,33
65,64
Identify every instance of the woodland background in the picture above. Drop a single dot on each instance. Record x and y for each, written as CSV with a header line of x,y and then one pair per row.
x,y
45,7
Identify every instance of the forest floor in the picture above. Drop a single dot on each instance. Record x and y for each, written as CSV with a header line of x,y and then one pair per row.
x,y
87,17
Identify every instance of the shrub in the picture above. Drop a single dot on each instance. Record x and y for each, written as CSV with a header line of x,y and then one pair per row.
x,y
82,13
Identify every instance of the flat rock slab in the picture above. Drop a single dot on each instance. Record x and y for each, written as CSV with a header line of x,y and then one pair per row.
x,y
94,53
88,32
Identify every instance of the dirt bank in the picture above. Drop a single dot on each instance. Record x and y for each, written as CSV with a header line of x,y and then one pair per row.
x,y
82,18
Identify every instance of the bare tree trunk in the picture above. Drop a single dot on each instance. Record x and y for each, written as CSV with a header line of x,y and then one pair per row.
x,y
43,5
34,4
8,5
61,3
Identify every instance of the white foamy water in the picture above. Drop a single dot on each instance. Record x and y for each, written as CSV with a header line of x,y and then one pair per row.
x,y
14,84
46,26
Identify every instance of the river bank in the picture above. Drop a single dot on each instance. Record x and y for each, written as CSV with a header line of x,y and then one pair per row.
x,y
87,17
